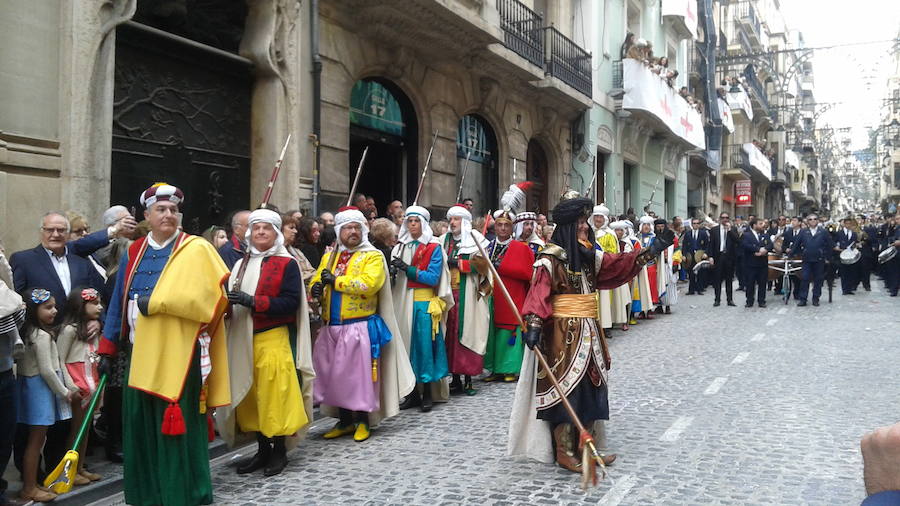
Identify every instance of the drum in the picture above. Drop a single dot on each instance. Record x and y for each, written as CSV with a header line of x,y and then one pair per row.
x,y
887,255
775,274
850,256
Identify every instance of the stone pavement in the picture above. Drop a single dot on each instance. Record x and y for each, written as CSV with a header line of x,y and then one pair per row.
x,y
709,405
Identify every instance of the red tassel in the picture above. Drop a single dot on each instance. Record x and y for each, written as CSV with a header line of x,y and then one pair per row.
x,y
210,429
173,421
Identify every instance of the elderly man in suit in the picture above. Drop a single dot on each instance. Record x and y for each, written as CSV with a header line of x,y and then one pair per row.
x,y
813,245
756,246
723,241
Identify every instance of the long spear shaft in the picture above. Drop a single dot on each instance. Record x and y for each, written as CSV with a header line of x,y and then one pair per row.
x,y
585,436
653,193
465,171
425,170
359,168
264,205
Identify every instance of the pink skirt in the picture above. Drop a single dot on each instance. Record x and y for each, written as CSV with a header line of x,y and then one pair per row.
x,y
342,358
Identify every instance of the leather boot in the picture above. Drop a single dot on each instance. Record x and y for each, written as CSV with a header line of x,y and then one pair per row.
x,y
412,400
565,449
260,460
426,405
278,460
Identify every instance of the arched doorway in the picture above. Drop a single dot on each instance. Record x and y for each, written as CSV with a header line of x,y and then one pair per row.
x,y
537,168
382,117
476,139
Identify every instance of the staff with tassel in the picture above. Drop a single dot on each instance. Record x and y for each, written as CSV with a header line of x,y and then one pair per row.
x,y
590,456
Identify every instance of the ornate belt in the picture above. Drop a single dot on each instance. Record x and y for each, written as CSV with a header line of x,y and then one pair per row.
x,y
576,305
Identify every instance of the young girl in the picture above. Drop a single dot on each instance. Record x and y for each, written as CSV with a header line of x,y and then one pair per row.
x,y
77,343
43,396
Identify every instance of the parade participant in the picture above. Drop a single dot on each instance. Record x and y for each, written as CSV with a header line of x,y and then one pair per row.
x,y
847,237
362,371
645,239
722,246
526,231
813,245
891,268
168,308
43,395
561,314
469,319
756,246
234,249
422,299
666,279
641,295
513,261
693,248
268,342
612,302
77,345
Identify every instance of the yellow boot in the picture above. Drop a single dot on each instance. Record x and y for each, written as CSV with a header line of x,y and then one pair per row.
x,y
339,431
362,432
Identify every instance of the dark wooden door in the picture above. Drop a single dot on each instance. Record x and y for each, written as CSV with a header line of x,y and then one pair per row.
x,y
181,115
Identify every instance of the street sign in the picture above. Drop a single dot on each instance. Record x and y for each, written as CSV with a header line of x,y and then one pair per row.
x,y
742,193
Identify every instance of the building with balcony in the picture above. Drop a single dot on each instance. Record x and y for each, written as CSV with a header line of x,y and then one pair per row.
x,y
887,140
203,95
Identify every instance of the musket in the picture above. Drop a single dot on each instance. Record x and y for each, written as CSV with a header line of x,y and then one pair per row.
x,y
465,171
264,205
333,258
585,438
425,170
653,193
591,186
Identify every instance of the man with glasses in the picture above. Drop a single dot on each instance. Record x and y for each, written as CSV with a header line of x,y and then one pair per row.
x,y
813,245
723,242
693,249
756,246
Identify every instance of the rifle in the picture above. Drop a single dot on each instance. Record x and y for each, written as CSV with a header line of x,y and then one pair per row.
x,y
425,170
333,258
264,205
587,442
465,171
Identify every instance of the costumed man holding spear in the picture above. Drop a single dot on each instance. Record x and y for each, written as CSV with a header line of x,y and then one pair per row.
x,y
422,298
168,308
268,342
513,260
470,281
561,315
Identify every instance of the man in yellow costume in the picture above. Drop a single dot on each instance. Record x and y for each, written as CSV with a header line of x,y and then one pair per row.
x,y
167,308
268,341
362,366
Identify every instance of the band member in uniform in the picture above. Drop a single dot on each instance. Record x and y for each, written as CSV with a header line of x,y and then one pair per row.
x,y
847,237
722,246
756,246
813,245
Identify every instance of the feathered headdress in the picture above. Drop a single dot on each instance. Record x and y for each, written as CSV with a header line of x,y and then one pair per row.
x,y
513,199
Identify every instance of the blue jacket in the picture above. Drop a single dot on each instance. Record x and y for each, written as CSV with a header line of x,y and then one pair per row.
x,y
231,252
690,245
843,241
32,268
812,248
750,245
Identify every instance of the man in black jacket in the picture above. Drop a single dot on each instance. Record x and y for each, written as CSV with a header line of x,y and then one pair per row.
x,y
756,246
696,239
722,250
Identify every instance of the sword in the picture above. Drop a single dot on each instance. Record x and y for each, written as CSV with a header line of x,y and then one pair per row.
x,y
585,438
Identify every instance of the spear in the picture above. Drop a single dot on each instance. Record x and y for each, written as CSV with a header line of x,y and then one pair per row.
x,y
585,438
591,186
425,170
264,205
653,193
359,168
465,171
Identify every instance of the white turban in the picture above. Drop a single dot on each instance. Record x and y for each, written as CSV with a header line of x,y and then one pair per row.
x,y
347,215
466,243
619,225
601,210
646,219
161,191
264,216
424,217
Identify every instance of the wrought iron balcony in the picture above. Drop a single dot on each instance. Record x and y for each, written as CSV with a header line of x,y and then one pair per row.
x,y
745,15
757,89
567,61
522,29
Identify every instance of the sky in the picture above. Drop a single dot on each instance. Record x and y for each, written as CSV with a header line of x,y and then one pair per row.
x,y
855,75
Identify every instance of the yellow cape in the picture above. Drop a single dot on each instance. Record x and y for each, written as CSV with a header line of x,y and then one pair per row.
x,y
188,297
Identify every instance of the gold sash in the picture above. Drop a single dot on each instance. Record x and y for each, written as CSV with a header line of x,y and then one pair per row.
x,y
576,305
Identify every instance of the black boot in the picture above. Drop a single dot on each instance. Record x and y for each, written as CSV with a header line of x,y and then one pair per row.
x,y
411,400
456,386
426,398
279,458
260,460
467,386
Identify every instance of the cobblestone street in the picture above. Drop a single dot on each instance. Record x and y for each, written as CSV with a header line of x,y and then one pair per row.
x,y
769,411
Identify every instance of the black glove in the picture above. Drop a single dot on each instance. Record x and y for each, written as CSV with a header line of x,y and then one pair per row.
x,y
143,304
105,366
399,264
532,337
327,277
317,290
244,299
453,263
587,254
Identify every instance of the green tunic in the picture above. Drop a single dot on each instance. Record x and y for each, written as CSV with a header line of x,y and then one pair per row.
x,y
500,357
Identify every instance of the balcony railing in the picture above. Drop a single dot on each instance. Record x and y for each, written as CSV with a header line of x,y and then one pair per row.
x,y
522,30
617,77
567,61
756,87
745,13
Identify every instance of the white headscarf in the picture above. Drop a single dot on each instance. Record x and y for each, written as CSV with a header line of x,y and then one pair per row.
x,y
520,226
425,217
466,243
600,210
272,218
352,215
